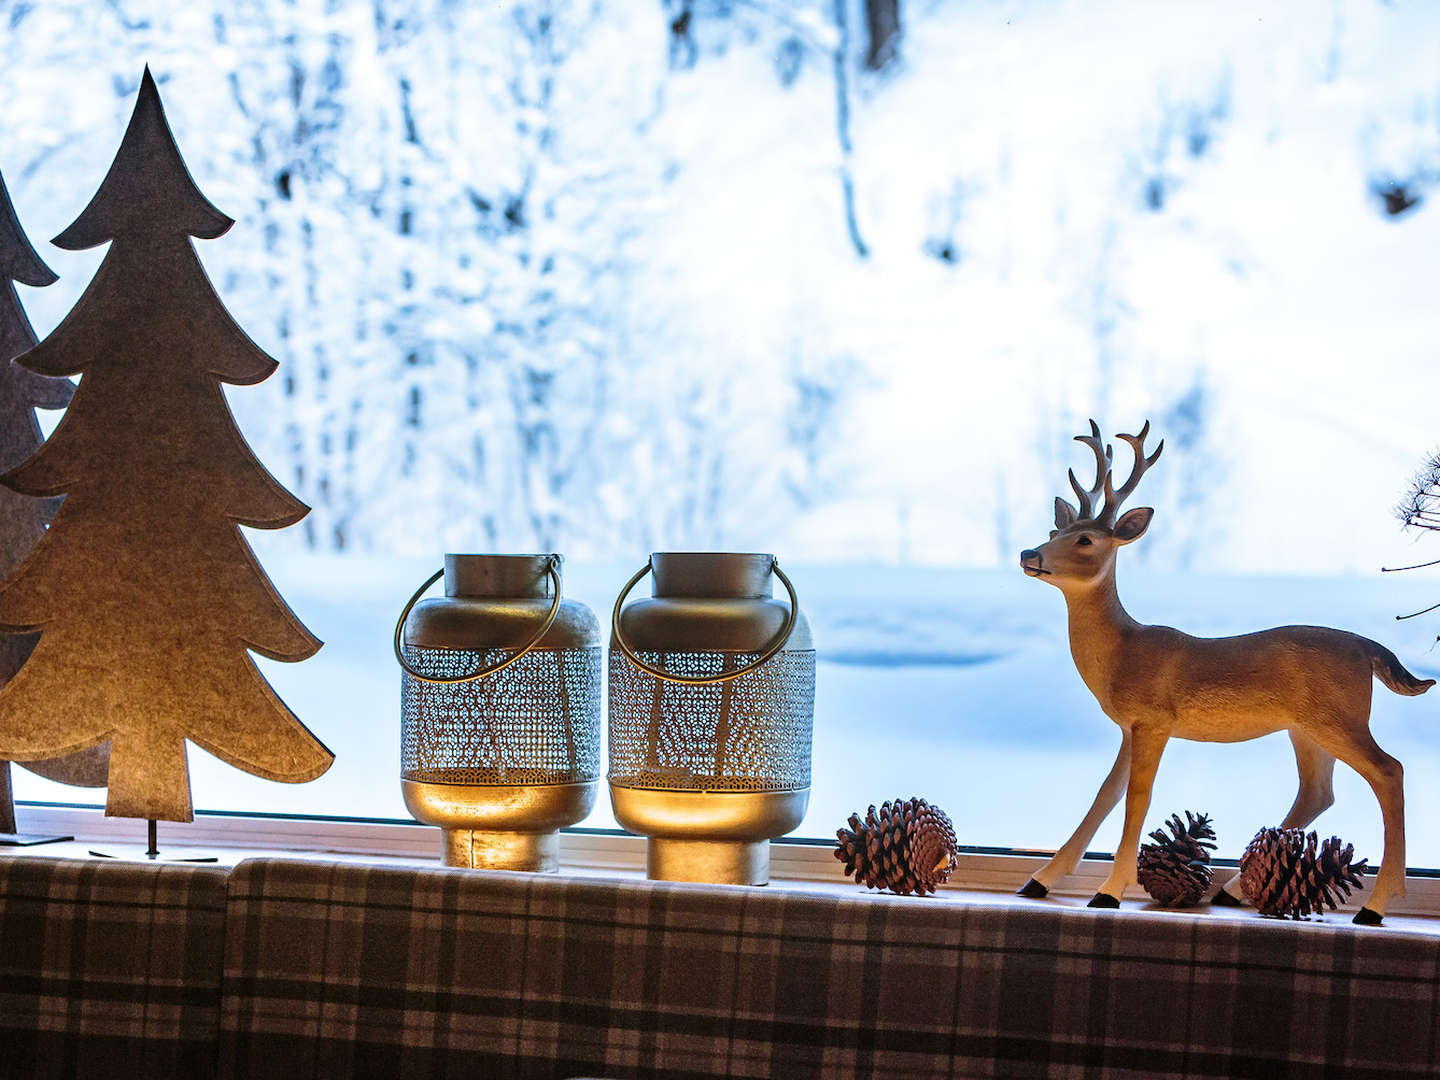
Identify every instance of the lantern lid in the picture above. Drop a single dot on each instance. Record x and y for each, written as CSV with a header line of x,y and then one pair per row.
x,y
508,576
712,574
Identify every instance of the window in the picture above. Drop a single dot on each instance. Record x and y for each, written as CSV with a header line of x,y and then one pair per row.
x,y
620,278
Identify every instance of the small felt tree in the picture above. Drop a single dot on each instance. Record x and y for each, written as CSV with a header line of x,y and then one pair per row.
x,y
146,596
23,519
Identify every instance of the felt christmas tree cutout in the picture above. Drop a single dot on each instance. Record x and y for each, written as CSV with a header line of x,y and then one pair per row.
x,y
23,519
147,598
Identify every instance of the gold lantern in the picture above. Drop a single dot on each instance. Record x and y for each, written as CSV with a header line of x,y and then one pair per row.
x,y
712,704
500,710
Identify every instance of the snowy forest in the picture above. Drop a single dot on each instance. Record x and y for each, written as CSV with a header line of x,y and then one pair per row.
x,y
835,274
837,279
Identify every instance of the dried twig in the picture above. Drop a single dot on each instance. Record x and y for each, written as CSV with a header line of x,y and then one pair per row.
x,y
1420,509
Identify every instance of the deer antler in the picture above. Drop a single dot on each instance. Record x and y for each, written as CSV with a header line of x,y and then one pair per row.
x,y
1104,457
1113,498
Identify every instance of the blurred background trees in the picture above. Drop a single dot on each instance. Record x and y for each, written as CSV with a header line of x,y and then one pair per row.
x,y
842,276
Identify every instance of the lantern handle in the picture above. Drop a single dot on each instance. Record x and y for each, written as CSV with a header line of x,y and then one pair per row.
x,y
704,680
553,569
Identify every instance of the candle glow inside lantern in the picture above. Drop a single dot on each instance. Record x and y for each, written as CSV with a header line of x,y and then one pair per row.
x,y
500,710
711,714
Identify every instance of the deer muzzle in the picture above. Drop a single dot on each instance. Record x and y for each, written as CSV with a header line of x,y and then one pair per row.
x,y
1032,562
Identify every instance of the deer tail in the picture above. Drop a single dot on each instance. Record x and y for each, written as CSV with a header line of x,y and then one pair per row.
x,y
1392,673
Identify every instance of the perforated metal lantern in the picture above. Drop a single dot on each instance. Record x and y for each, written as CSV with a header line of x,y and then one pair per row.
x,y
712,704
500,710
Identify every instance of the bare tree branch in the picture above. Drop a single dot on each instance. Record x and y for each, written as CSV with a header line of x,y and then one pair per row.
x,y
842,125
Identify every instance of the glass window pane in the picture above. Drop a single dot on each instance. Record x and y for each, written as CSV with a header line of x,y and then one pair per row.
x,y
594,279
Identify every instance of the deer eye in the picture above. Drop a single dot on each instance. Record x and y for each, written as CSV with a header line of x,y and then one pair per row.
x,y
1084,541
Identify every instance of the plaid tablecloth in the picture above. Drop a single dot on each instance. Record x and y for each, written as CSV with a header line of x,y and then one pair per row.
x,y
109,969
343,970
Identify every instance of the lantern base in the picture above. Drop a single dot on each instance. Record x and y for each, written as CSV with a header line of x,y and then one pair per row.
x,y
716,836
720,862
480,849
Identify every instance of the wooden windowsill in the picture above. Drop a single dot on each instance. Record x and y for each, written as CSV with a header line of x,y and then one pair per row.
x,y
815,876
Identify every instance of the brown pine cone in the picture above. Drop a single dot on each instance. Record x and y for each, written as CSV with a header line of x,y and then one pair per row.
x,y
1175,870
906,846
1284,873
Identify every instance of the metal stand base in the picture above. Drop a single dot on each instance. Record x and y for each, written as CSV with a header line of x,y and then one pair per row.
x,y
22,839
135,853
481,849
721,862
153,853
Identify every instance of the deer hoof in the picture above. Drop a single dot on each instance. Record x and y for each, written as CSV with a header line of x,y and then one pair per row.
x,y
1367,917
1224,899
1033,889
1103,900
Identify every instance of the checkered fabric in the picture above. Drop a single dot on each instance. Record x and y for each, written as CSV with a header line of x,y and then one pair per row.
x,y
344,970
109,969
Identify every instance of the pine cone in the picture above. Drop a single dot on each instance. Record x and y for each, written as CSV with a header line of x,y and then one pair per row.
x,y
906,846
1175,870
1283,874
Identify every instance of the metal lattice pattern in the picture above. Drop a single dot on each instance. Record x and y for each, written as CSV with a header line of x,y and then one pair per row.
x,y
750,734
536,722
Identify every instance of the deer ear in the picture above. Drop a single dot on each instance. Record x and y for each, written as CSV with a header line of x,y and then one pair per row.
x,y
1065,514
1133,524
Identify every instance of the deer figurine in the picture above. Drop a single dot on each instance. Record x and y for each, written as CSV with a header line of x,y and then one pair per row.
x,y
1157,683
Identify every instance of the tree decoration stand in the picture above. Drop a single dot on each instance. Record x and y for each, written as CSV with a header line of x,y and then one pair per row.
x,y
1175,870
152,851
23,520
146,596
1287,874
907,846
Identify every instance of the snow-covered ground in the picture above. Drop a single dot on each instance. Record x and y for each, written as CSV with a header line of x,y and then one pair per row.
x,y
952,684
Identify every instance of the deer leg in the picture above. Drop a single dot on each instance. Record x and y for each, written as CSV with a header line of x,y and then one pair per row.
x,y
1316,767
1317,782
1068,857
1386,778
1148,745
